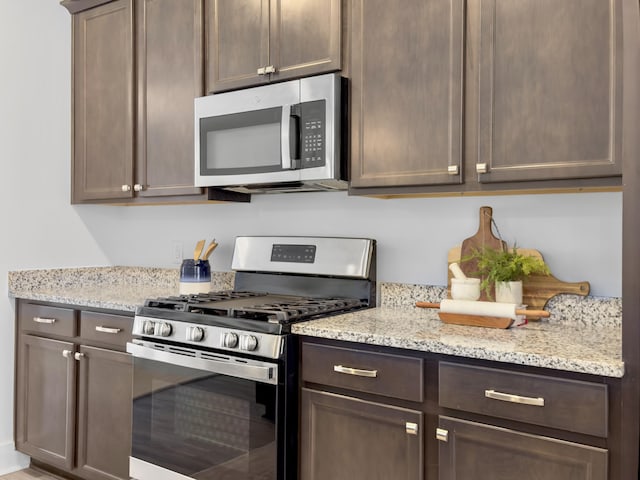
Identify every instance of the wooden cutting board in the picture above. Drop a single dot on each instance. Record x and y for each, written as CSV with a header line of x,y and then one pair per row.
x,y
484,238
537,290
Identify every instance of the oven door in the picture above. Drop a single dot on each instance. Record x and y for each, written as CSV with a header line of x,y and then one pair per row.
x,y
203,415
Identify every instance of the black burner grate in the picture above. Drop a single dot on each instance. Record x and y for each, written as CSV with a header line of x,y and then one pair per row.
x,y
301,309
184,303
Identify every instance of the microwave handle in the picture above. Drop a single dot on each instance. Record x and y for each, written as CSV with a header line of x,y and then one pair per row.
x,y
285,138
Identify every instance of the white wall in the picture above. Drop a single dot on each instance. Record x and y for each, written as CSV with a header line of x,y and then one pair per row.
x,y
579,234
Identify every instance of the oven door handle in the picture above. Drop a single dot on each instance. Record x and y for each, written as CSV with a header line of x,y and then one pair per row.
x,y
257,371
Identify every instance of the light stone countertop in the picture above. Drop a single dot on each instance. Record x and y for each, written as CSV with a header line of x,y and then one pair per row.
x,y
593,350
112,288
583,335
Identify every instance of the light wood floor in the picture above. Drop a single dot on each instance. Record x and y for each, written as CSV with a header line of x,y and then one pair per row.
x,y
28,474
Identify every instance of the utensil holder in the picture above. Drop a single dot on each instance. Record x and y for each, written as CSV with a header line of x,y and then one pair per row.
x,y
195,277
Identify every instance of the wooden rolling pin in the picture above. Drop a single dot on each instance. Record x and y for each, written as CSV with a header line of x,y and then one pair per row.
x,y
489,309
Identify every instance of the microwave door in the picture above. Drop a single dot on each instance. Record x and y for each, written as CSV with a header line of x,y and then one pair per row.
x,y
248,147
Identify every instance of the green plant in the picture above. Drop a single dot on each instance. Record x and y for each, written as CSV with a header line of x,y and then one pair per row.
x,y
505,266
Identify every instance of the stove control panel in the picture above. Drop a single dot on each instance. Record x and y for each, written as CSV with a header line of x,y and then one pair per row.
x,y
260,344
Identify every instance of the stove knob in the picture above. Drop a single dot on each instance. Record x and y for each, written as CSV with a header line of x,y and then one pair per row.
x,y
195,334
148,327
229,340
162,329
248,343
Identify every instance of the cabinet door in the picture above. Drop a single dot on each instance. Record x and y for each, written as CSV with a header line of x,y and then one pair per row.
x,y
170,75
237,42
104,413
406,93
549,88
483,452
344,438
103,102
45,400
304,37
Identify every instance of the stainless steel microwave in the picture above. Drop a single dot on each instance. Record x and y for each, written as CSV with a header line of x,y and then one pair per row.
x,y
282,137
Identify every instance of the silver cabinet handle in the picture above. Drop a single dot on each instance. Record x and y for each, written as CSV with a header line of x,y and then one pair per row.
x,y
126,188
355,371
481,168
66,353
442,434
262,71
269,69
137,187
102,329
78,356
411,428
44,320
508,397
453,170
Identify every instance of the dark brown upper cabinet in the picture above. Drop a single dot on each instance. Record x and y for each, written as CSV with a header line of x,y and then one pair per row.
x,y
103,103
137,68
170,75
451,96
252,42
406,93
549,91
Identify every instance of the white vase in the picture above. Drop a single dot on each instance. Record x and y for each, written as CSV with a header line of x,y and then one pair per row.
x,y
509,292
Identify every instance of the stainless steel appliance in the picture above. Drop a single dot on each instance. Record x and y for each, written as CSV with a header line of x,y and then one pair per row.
x,y
215,375
275,138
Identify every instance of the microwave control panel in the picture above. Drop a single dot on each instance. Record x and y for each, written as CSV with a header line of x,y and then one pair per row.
x,y
313,134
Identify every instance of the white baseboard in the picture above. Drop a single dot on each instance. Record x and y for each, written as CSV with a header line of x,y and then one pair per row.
x,y
11,460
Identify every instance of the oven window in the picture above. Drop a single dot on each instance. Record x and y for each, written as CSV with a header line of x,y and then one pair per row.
x,y
203,425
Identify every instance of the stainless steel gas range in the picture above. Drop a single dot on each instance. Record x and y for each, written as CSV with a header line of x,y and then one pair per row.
x,y
215,375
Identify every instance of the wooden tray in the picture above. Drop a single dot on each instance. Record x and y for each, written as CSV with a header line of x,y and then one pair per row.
x,y
475,320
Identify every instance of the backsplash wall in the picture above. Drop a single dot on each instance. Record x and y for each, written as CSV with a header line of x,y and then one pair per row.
x,y
579,234
414,235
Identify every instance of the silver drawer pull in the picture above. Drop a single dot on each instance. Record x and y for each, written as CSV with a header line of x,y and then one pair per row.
x,y
66,353
44,320
78,356
355,371
507,397
442,434
102,329
411,428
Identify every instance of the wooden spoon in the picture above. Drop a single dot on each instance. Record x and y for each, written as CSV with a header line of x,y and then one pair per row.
x,y
198,250
212,246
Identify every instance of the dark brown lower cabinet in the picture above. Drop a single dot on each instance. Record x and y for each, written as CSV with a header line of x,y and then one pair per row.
x,y
73,390
474,451
45,418
104,413
346,438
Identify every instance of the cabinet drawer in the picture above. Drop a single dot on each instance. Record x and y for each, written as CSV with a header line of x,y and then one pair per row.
x,y
106,328
47,320
570,405
382,374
